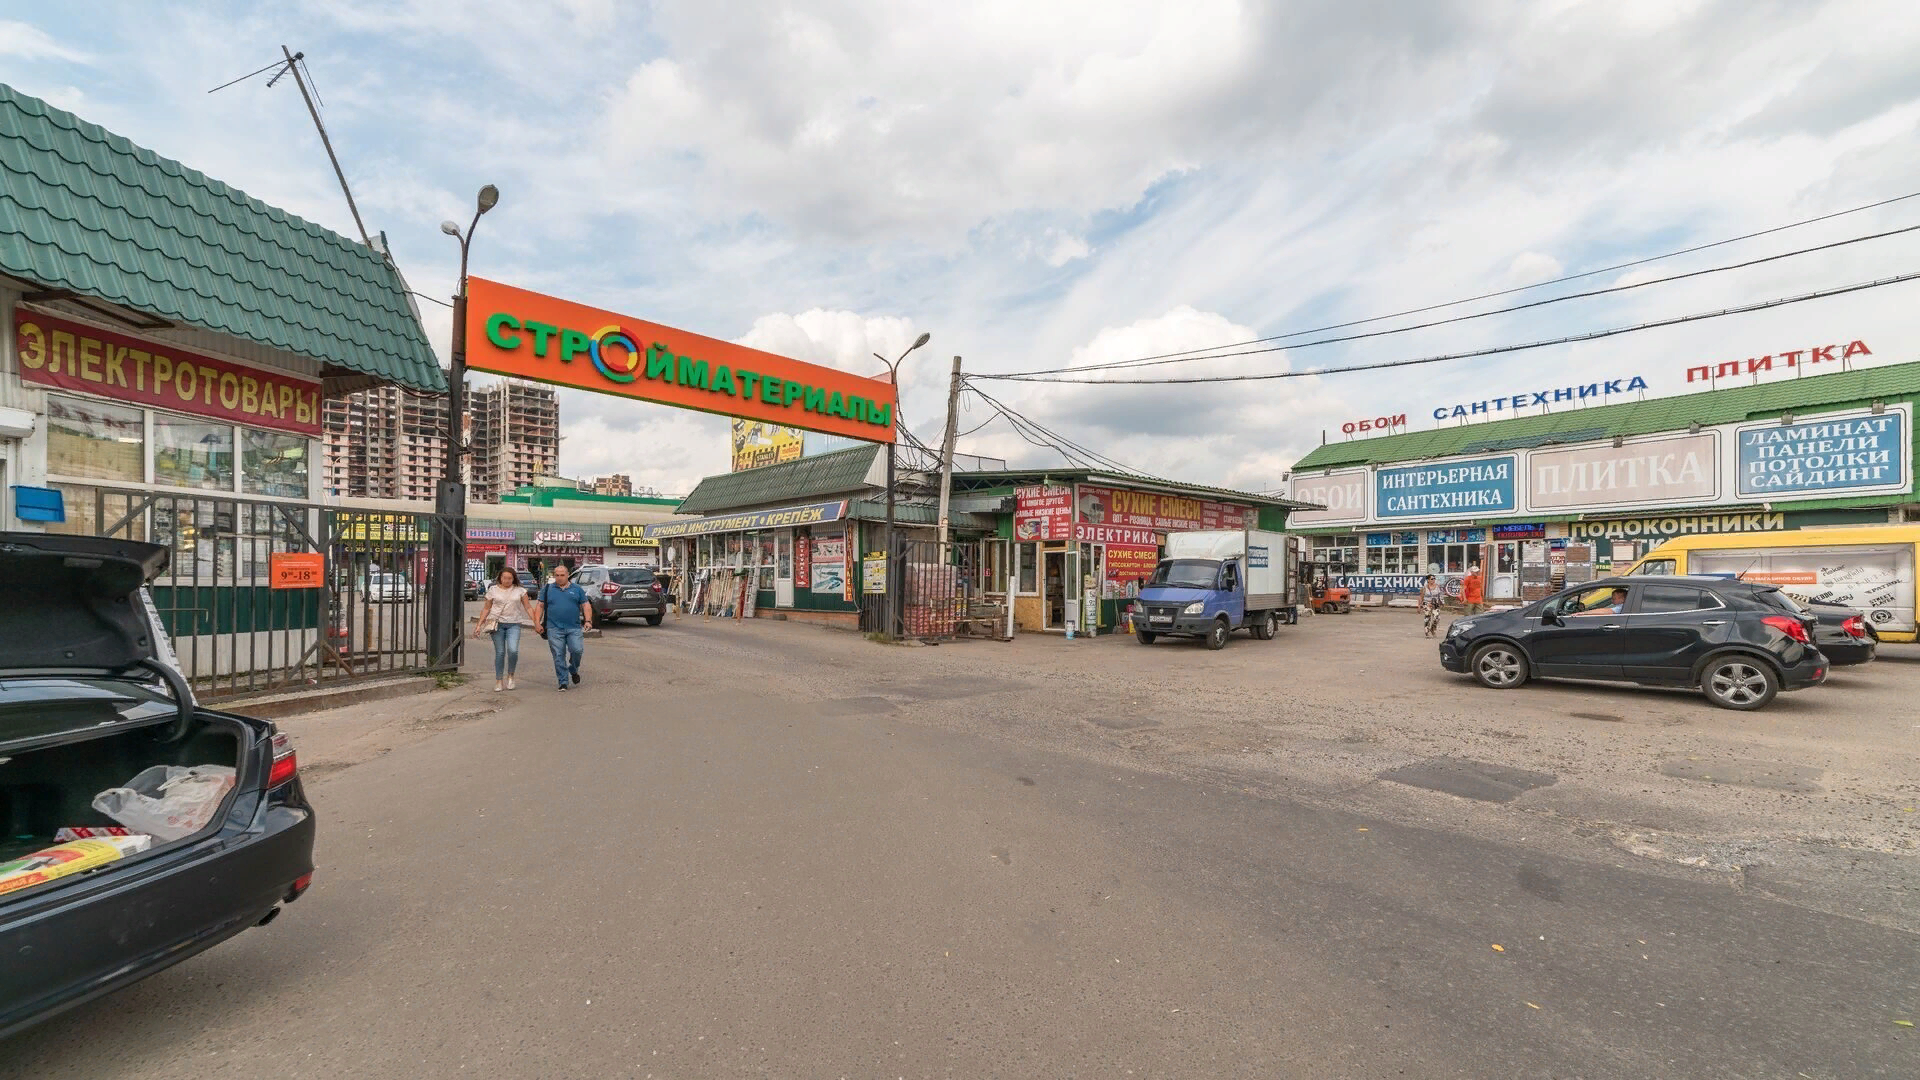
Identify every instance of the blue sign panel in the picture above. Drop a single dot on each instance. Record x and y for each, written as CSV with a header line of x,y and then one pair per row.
x,y
1381,584
1815,456
1470,488
1256,557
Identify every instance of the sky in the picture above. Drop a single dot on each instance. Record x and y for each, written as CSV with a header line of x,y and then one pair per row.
x,y
1046,185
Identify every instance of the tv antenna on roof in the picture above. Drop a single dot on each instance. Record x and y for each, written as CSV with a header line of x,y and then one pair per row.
x,y
295,62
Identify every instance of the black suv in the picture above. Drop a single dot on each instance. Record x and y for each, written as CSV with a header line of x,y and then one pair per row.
x,y
620,591
1739,642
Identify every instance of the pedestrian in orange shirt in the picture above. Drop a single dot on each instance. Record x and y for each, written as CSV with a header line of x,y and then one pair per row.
x,y
1473,589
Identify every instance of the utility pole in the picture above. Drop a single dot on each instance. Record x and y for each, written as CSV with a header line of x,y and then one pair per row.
x,y
293,65
946,452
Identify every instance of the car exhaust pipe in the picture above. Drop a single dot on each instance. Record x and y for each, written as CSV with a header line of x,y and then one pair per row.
x,y
272,914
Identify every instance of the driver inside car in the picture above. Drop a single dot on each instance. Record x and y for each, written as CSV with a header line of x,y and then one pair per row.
x,y
1613,605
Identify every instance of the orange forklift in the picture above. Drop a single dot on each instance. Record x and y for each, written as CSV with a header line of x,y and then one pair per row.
x,y
1323,595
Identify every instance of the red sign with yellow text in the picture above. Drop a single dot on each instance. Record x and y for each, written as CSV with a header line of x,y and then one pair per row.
x,y
75,356
525,334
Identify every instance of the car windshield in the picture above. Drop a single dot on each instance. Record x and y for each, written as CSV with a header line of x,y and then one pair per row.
x,y
630,576
1185,574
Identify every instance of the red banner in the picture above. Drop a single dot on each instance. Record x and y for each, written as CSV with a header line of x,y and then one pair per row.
x,y
1151,510
802,560
1129,563
1042,513
74,356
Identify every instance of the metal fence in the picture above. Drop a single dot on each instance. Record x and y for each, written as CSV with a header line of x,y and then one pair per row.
x,y
926,591
234,632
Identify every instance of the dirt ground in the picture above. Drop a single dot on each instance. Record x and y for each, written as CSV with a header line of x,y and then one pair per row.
x,y
1814,800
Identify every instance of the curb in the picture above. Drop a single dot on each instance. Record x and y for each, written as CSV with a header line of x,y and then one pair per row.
x,y
281,705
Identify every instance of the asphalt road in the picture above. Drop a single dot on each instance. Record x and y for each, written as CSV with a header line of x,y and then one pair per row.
x,y
752,851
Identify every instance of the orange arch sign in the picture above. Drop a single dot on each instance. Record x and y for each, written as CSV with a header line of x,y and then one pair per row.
x,y
529,335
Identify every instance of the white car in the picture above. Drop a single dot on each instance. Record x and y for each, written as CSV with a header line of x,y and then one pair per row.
x,y
384,588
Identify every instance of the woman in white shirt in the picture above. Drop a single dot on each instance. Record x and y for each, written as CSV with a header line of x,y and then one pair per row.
x,y
505,612
1430,604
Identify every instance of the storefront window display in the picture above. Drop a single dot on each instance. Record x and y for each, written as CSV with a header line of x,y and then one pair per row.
x,y
272,463
1029,569
763,546
192,454
94,440
1394,559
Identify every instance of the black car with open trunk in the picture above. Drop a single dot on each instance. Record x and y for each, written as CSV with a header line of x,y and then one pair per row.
x,y
136,828
1740,643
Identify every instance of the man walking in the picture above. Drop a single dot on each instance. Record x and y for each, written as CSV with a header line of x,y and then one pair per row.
x,y
562,615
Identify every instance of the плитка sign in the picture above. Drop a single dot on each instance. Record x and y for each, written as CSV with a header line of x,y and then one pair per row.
x,y
1474,487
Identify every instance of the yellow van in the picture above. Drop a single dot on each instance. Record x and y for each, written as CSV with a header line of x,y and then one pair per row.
x,y
1869,567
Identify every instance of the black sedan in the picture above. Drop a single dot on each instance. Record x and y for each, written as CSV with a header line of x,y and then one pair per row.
x,y
1843,633
1740,643
210,832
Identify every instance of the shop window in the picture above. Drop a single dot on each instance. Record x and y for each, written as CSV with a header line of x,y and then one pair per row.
x,y
188,453
765,546
1393,559
1030,568
273,464
95,441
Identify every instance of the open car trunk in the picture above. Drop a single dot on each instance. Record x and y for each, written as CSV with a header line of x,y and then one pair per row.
x,y
67,752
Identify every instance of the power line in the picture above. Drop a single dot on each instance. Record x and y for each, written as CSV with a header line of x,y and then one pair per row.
x,y
1068,448
1543,284
1593,335
1157,362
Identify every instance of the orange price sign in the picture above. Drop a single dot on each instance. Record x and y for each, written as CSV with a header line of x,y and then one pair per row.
x,y
297,569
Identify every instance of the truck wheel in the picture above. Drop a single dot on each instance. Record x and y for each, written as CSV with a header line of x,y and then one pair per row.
x,y
1145,637
1264,626
1217,637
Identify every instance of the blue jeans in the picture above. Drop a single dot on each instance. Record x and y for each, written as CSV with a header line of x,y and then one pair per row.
x,y
506,650
567,646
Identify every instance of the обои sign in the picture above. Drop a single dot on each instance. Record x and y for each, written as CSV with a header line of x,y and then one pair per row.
x,y
74,356
1597,391
528,335
1474,487
1839,454
813,514
1343,492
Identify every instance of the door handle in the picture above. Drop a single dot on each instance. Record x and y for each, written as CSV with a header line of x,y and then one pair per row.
x,y
1611,626
1714,622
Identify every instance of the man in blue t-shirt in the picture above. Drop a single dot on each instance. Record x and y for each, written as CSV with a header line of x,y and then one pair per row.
x,y
562,614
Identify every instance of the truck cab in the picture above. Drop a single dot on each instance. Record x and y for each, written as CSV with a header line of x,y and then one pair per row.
x,y
1215,582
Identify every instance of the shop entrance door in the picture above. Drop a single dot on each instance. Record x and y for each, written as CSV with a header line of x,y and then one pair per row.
x,y
1055,592
1503,577
783,569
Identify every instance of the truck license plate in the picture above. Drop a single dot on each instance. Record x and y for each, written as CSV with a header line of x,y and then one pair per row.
x,y
1159,618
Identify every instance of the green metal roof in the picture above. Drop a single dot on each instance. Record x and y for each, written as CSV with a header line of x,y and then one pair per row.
x,y
1009,478
85,210
823,475
1708,407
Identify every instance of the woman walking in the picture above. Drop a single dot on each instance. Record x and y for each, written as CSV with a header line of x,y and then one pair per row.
x,y
503,615
1430,604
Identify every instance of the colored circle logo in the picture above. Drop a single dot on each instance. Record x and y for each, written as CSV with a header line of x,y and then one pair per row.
x,y
620,371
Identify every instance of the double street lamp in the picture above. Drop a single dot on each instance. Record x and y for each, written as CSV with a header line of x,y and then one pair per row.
x,y
446,629
893,569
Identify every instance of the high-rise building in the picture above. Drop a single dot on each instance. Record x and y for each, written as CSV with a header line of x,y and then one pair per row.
x,y
384,443
617,484
515,440
390,443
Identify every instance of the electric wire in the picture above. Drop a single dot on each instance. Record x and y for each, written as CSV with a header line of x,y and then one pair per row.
x,y
1553,281
1592,335
1067,448
1157,362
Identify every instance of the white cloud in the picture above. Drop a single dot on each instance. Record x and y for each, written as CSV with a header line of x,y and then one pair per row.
x,y
24,41
1530,267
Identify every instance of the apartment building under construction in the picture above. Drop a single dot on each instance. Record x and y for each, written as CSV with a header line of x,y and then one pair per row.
x,y
390,443
516,438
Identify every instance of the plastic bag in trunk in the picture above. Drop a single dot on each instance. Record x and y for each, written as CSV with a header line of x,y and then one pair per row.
x,y
168,802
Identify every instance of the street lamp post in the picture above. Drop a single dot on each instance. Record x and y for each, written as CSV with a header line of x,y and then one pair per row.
x,y
893,568
447,628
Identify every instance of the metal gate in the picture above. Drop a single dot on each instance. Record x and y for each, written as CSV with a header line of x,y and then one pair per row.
x,y
234,632
925,595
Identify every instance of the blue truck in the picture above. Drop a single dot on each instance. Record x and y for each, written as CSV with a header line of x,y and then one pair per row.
x,y
1215,581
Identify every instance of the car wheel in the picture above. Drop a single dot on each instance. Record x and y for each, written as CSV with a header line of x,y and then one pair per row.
x,y
1499,665
1217,637
1739,682
654,620
1145,637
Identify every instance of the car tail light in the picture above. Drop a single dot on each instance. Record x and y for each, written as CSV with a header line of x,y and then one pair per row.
x,y
609,589
300,885
1791,627
657,588
1855,626
285,765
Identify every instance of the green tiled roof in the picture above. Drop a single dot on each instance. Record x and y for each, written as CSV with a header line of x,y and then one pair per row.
x,y
1708,407
85,210
816,477
1010,478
